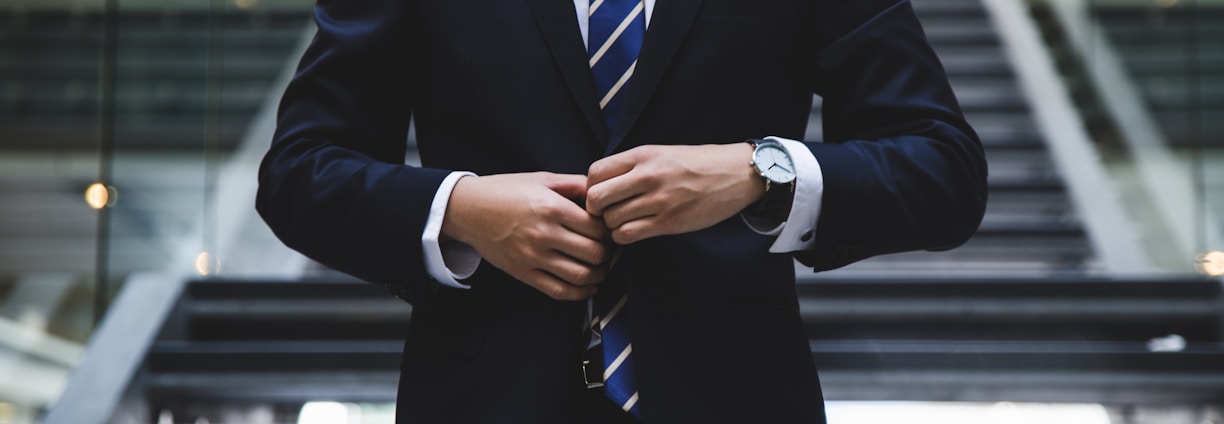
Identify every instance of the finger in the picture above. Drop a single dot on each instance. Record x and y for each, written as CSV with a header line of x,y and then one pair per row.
x,y
571,271
611,167
581,222
612,191
573,187
556,288
577,246
574,218
632,209
637,230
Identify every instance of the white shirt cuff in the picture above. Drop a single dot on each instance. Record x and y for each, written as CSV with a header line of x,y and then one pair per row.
x,y
447,261
798,232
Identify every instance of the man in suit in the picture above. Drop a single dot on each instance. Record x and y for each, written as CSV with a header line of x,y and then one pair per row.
x,y
545,184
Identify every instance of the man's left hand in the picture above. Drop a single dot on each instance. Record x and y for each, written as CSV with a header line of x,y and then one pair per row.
x,y
658,190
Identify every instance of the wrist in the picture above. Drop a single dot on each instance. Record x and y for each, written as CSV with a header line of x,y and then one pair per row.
x,y
455,218
775,170
754,186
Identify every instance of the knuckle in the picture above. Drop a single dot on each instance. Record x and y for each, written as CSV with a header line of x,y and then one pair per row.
x,y
527,251
595,196
597,168
611,218
664,219
532,236
598,253
630,235
581,276
549,210
559,292
651,176
619,237
660,173
600,229
594,276
662,199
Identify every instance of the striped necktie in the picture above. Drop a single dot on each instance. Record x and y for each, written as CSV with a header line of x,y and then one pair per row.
x,y
611,322
616,31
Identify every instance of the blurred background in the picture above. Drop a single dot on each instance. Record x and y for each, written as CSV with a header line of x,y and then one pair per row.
x,y
137,283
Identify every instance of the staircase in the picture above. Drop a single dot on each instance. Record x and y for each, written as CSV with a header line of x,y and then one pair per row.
x,y
268,342
228,348
1013,315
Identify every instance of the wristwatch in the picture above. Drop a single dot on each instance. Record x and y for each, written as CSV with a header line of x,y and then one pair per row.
x,y
773,163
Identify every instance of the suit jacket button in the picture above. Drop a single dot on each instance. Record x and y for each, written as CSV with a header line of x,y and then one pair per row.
x,y
806,236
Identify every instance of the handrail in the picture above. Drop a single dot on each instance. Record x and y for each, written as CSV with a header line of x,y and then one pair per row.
x,y
117,350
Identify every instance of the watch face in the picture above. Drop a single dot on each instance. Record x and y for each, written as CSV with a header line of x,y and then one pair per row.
x,y
774,163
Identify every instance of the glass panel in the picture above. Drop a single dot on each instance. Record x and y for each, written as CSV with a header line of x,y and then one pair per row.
x,y
50,109
1145,77
1172,52
193,76
166,132
116,118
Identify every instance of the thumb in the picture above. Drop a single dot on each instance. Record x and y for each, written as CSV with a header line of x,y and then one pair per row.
x,y
573,187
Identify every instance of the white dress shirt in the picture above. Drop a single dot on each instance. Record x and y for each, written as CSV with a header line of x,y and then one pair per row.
x,y
449,261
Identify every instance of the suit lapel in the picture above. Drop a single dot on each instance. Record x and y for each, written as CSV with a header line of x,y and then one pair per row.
x,y
559,25
669,22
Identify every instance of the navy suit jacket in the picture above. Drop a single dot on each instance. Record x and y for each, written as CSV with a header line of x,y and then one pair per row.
x,y
497,86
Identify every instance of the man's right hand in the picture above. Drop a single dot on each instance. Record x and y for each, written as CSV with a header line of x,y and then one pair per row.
x,y
533,227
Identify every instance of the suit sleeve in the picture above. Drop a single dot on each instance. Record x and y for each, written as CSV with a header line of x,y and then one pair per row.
x,y
334,185
902,169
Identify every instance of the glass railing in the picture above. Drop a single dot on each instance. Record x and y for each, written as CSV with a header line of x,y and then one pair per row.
x,y
1149,79
117,119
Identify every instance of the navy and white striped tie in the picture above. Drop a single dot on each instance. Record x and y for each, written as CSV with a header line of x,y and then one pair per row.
x,y
615,38
616,31
611,321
